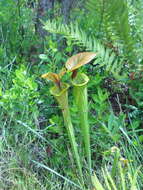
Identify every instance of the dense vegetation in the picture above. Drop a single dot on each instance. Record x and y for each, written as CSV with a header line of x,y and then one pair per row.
x,y
91,138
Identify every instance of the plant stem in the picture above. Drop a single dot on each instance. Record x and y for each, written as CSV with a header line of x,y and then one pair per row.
x,y
62,98
81,100
115,164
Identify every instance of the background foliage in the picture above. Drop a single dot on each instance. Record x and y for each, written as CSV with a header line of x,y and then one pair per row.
x,y
33,141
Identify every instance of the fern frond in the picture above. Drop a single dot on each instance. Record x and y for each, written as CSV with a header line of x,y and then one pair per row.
x,y
113,21
105,56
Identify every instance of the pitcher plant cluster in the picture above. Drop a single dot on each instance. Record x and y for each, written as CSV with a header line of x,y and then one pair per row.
x,y
60,92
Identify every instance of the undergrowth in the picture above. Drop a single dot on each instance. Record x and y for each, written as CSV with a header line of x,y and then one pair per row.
x,y
35,150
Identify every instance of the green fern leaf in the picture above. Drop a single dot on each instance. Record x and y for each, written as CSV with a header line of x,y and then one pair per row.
x,y
105,57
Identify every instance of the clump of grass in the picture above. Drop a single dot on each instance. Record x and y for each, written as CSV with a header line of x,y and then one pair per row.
x,y
119,178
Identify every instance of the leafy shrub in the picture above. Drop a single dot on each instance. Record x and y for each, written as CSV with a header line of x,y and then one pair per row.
x,y
22,97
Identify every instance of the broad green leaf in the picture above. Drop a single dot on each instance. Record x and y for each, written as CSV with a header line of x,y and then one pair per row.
x,y
43,57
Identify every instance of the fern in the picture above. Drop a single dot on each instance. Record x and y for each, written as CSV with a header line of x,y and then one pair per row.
x,y
136,21
105,56
114,23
